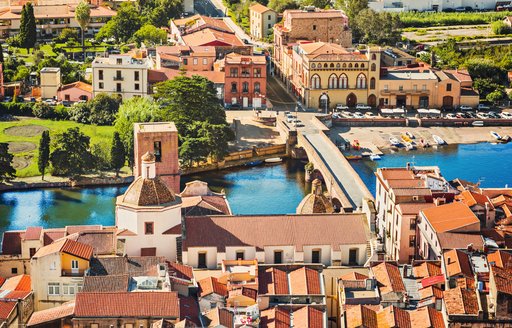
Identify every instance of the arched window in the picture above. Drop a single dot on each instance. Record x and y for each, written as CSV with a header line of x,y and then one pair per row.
x,y
338,65
356,65
315,82
313,65
350,65
245,87
361,81
372,83
344,65
332,65
362,65
374,67
333,81
257,87
343,82
325,65
374,57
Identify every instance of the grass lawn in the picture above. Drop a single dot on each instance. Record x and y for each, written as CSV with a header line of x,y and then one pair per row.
x,y
23,138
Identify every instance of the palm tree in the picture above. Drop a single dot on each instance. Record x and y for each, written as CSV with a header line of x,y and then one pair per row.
x,y
82,16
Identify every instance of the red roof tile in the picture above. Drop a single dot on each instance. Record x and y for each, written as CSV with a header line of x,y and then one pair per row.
x,y
354,276
426,282
53,314
388,277
457,263
450,217
305,281
502,279
189,310
212,285
500,258
272,281
11,242
20,282
33,233
6,309
129,304
67,246
181,271
427,269
50,235
305,317
461,301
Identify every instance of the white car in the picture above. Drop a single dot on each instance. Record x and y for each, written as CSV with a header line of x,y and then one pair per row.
x,y
506,115
482,115
483,107
451,116
290,118
358,115
347,114
363,107
341,107
464,107
369,115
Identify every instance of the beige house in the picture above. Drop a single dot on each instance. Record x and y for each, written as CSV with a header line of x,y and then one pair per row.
x,y
126,75
50,82
262,20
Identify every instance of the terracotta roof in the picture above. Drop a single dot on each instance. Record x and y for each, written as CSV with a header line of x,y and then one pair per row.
x,y
212,285
450,217
107,284
80,228
426,317
396,173
388,277
52,314
129,304
33,233
11,242
51,235
461,75
189,311
205,205
220,318
212,37
103,242
502,279
259,8
501,258
354,276
305,281
396,317
472,198
176,230
20,282
180,271
78,85
67,246
273,281
6,309
126,232
413,208
244,291
362,315
318,13
148,192
305,317
278,230
431,291
450,240
457,263
427,269
236,58
134,266
412,191
461,301
434,280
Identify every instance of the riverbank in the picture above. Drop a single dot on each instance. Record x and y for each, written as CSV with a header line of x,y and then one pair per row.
x,y
379,136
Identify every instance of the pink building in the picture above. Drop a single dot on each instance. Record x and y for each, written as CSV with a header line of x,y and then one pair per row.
x,y
75,91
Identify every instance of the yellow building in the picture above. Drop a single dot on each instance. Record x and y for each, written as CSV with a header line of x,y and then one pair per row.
x,y
50,82
58,271
262,20
326,74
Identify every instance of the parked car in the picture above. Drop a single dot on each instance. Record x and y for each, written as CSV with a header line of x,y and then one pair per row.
x,y
299,124
290,118
347,114
483,107
470,114
7,99
358,115
363,107
459,115
341,107
506,115
20,99
451,116
482,115
369,115
464,107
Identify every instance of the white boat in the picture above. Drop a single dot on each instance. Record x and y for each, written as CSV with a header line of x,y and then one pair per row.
x,y
394,141
375,157
273,160
496,135
438,139
409,134
409,146
478,123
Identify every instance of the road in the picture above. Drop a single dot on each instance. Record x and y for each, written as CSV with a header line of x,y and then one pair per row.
x,y
278,96
206,8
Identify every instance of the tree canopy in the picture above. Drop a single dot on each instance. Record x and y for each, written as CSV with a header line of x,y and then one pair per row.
x,y
117,153
7,171
44,153
150,35
27,35
71,155
123,25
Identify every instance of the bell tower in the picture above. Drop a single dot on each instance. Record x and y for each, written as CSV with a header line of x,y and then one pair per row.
x,y
161,140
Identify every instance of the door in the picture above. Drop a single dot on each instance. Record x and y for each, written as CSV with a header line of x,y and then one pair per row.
x,y
315,256
245,102
256,102
372,101
401,101
447,102
278,257
351,100
201,260
352,257
74,266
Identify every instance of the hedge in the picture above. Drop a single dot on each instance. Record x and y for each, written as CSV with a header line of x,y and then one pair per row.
x,y
16,109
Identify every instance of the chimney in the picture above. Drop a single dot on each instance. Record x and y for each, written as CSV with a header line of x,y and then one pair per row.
x,y
449,260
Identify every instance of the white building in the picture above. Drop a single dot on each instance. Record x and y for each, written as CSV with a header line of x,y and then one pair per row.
x,y
148,215
126,75
429,5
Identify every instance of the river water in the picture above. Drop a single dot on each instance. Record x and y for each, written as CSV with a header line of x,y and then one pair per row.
x,y
266,189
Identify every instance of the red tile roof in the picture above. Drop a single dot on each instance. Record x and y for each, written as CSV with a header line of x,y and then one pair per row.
x,y
450,217
176,230
78,85
396,317
67,246
427,269
189,310
181,271
278,230
259,8
164,74
413,208
129,304
11,242
305,281
20,282
502,279
212,285
472,198
33,233
50,235
305,317
6,309
426,282
461,301
212,37
53,314
362,315
354,276
500,258
272,281
388,277
457,263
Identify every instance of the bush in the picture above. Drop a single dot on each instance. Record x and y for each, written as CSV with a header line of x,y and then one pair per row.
x,y
16,109
500,28
43,110
81,113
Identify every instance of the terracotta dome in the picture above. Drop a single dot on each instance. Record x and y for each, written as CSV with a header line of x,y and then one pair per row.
x,y
148,192
148,157
315,202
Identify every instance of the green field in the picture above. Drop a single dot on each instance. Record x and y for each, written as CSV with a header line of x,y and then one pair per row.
x,y
23,138
422,19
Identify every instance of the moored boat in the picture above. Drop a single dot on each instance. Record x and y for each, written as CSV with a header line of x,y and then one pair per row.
x,y
438,139
273,160
478,123
353,157
406,138
409,134
410,146
394,141
496,135
375,157
254,163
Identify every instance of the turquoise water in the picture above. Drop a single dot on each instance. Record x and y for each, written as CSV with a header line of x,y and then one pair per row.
x,y
266,189
491,164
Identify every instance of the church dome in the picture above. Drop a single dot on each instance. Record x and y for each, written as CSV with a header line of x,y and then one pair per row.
x,y
315,202
148,192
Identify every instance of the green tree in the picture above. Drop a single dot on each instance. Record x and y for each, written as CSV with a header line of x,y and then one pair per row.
x,y
117,154
7,171
282,5
104,108
159,12
83,16
27,34
101,156
495,96
67,34
1,54
352,8
135,110
150,35
22,73
317,3
44,153
123,25
379,28
193,150
71,155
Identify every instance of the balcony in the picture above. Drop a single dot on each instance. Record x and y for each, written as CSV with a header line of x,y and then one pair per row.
x,y
403,92
118,78
73,273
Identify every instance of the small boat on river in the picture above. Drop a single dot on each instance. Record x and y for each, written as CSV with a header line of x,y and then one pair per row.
x,y
273,160
394,141
254,163
375,157
409,134
496,135
406,138
438,140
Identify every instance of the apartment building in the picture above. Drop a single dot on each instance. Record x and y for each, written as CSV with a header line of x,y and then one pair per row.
x,y
262,19
401,193
125,75
50,82
185,57
430,5
245,80
326,74
393,57
51,19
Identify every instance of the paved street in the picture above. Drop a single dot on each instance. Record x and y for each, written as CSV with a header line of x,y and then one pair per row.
x,y
206,8
278,96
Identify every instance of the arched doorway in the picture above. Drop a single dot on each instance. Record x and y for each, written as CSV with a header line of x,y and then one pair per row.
x,y
372,101
351,100
337,205
447,102
323,102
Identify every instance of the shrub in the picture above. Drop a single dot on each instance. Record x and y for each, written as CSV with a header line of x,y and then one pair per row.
x,y
500,28
81,113
43,110
16,109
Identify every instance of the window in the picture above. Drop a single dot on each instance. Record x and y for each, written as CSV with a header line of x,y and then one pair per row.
x,y
233,87
74,264
195,61
95,325
269,25
233,72
352,256
372,83
53,266
315,256
374,67
361,81
128,325
118,87
32,251
100,74
257,87
401,88
269,18
68,289
245,72
185,61
14,270
257,72
356,65
412,224
53,288
148,228
245,87
205,61
100,85
374,57
343,82
350,65
386,87
424,102
201,260
449,87
278,257
119,61
240,255
424,87
333,81
137,86
362,65
315,82
157,149
136,75
412,240
314,27
313,65
118,76
213,305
